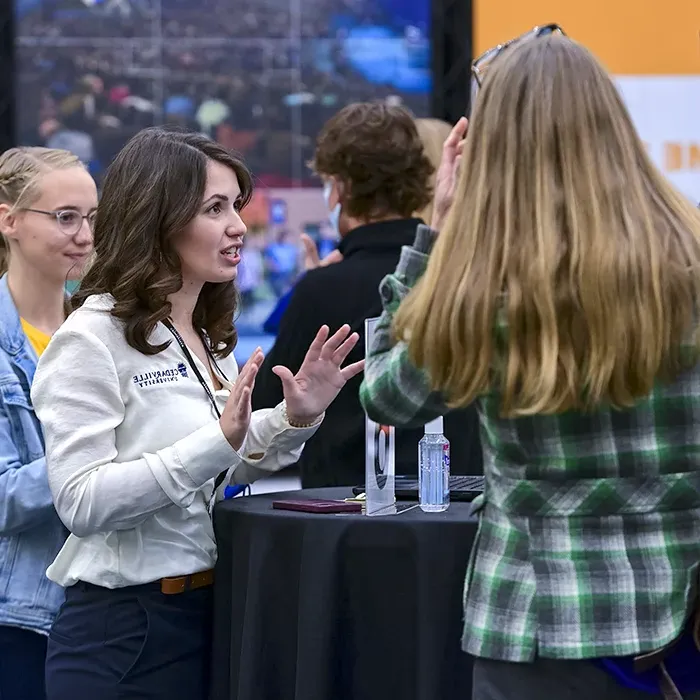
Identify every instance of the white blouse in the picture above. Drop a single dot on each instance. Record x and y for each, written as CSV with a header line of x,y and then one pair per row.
x,y
133,446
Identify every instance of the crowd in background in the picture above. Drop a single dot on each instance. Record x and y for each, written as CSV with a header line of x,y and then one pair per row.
x,y
274,19
261,80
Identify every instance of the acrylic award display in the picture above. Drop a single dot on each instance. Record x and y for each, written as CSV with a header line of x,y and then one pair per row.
x,y
379,455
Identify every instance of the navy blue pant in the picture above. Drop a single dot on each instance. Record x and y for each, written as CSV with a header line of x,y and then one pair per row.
x,y
22,659
134,643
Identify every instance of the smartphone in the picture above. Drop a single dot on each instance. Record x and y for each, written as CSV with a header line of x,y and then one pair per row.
x,y
318,506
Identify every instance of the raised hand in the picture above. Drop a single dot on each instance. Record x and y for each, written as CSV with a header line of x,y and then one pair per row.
x,y
310,391
235,418
446,177
312,259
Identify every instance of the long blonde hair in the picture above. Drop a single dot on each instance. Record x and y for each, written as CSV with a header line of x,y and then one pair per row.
x,y
20,170
568,271
433,133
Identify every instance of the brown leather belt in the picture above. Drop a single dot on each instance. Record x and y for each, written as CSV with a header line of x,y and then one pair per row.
x,y
181,584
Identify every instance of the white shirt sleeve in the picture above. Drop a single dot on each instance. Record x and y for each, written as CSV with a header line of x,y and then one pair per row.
x,y
79,411
270,445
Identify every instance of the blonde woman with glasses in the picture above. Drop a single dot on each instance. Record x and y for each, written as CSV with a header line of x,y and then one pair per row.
x,y
562,295
47,202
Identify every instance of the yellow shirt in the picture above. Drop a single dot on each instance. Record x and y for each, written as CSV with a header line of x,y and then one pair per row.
x,y
37,338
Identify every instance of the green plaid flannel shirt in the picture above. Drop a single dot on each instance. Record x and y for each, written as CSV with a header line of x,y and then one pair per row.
x,y
589,534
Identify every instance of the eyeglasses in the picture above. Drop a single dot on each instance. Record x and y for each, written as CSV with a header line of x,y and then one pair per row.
x,y
481,64
69,221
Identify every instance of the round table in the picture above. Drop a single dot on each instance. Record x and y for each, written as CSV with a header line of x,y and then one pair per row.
x,y
339,606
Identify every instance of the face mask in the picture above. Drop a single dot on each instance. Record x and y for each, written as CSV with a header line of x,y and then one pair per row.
x,y
333,214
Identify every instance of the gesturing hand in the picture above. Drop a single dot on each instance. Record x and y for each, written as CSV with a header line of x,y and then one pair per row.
x,y
312,260
235,418
446,177
311,390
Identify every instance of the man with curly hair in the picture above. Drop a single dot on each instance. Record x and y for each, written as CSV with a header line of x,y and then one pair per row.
x,y
375,175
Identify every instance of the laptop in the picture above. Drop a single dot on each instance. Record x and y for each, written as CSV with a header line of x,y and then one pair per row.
x,y
462,488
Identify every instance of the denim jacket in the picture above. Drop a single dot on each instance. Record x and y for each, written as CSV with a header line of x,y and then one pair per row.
x,y
30,531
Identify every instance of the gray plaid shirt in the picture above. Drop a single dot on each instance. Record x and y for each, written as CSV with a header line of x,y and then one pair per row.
x,y
589,535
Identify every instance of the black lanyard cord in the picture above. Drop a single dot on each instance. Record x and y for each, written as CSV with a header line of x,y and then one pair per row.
x,y
186,352
212,359
193,366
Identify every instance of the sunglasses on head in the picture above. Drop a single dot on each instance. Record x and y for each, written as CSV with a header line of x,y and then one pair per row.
x,y
480,65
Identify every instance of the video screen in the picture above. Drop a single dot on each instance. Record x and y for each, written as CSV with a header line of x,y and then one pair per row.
x,y
260,76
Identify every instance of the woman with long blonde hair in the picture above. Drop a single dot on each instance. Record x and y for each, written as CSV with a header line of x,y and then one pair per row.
x,y
562,295
47,203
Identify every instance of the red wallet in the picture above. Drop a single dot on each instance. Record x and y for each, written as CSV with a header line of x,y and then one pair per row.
x,y
318,506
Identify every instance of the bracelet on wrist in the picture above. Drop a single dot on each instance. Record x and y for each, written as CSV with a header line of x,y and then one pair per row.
x,y
295,423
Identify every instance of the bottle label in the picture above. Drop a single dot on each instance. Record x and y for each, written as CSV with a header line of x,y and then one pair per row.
x,y
446,456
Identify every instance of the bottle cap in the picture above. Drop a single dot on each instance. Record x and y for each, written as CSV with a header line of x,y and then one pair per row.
x,y
435,427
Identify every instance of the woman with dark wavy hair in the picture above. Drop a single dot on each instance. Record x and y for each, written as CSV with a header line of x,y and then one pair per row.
x,y
147,420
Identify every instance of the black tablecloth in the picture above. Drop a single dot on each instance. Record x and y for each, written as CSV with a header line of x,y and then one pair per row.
x,y
336,607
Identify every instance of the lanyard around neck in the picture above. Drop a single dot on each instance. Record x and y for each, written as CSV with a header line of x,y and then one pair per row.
x,y
193,365
186,352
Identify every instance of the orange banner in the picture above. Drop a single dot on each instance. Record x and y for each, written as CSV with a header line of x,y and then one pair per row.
x,y
631,37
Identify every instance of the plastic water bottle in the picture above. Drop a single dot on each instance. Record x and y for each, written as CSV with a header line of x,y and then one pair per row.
x,y
434,469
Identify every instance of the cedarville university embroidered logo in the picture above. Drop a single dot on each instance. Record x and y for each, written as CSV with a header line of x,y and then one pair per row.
x,y
161,376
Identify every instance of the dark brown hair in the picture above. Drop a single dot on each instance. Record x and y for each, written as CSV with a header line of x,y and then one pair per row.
x,y
374,149
151,191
